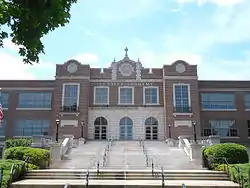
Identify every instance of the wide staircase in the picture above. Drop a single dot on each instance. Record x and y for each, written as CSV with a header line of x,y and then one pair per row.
x,y
126,164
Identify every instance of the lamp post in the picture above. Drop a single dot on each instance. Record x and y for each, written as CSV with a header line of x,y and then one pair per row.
x,y
57,127
169,131
82,125
194,126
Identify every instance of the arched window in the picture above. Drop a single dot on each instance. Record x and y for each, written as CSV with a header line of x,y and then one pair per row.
x,y
101,121
151,129
151,121
126,121
100,128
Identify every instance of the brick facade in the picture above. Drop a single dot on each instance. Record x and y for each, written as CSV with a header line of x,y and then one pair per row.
x,y
127,73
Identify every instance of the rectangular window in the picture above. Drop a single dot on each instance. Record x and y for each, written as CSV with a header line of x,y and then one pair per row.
x,y
101,95
2,128
223,128
35,100
151,95
218,101
70,99
182,102
31,127
126,95
247,101
4,99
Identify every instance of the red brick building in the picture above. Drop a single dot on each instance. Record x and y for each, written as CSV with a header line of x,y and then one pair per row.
x,y
126,101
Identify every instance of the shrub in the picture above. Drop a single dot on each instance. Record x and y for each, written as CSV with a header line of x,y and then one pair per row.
x,y
6,166
233,153
16,142
38,157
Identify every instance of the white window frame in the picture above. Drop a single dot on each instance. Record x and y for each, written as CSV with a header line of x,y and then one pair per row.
x,y
119,97
144,96
78,90
189,96
106,87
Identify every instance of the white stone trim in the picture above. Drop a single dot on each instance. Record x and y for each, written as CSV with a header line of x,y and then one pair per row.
x,y
69,122
189,96
138,116
222,89
63,92
27,88
42,109
105,87
119,102
178,123
151,87
72,77
127,80
180,77
219,110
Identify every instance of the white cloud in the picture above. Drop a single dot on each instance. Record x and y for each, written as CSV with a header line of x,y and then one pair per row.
x,y
7,43
217,2
88,58
14,69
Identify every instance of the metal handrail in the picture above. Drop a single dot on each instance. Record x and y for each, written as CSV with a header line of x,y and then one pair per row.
x,y
98,168
162,177
152,167
66,185
87,178
183,186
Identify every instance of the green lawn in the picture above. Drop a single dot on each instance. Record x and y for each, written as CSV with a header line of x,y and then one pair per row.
x,y
244,170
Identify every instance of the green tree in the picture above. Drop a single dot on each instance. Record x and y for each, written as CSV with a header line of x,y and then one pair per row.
x,y
29,21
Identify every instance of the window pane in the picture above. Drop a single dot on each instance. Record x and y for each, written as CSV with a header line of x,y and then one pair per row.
x,y
70,95
35,100
126,96
24,127
101,95
247,101
222,127
182,99
151,95
2,128
4,99
218,101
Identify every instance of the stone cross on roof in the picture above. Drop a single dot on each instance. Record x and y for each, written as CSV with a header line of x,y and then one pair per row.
x,y
126,52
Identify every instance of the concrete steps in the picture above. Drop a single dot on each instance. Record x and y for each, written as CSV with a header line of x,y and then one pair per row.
x,y
105,178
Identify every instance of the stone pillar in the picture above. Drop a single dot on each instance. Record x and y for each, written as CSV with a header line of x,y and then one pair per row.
x,y
55,153
196,151
213,139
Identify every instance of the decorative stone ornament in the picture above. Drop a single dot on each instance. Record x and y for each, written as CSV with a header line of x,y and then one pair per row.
x,y
72,67
180,68
126,69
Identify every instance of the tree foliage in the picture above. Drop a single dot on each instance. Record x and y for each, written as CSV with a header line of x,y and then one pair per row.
x,y
29,21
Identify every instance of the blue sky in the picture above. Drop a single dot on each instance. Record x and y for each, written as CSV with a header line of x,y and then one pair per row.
x,y
215,34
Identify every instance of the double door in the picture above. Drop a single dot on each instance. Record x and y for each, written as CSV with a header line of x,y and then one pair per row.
x,y
126,132
151,133
100,132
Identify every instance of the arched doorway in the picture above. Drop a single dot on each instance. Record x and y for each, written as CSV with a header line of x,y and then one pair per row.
x,y
126,128
151,129
100,128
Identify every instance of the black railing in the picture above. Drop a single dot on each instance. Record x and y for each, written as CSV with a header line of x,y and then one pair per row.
x,y
69,109
152,167
162,177
1,177
182,109
97,168
87,178
18,171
